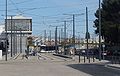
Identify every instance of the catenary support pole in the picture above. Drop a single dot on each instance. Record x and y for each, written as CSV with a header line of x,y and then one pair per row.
x,y
6,33
99,30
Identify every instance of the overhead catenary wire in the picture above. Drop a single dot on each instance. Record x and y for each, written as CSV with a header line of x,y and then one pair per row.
x,y
49,19
16,7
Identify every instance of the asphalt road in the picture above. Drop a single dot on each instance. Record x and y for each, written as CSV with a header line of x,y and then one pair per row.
x,y
50,65
96,69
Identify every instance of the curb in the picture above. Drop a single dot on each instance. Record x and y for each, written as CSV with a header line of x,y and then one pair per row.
x,y
115,67
64,56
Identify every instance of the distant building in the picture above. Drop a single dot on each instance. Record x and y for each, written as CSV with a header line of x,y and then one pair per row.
x,y
18,28
2,28
2,34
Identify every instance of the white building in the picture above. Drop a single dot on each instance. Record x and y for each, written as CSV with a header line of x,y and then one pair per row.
x,y
18,29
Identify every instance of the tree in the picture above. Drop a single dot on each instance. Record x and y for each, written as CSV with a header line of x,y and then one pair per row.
x,y
110,18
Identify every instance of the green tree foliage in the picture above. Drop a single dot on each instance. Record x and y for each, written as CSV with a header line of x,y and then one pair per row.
x,y
110,18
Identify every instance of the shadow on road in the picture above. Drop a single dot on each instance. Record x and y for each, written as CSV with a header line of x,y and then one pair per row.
x,y
95,69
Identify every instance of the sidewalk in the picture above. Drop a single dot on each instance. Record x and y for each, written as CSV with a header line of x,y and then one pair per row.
x,y
83,60
102,62
116,66
9,56
64,56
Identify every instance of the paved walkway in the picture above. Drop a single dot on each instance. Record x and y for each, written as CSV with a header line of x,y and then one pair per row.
x,y
45,65
50,66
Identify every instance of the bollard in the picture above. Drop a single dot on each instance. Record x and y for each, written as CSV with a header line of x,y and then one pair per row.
x,y
119,60
89,58
112,60
93,59
79,57
115,59
84,58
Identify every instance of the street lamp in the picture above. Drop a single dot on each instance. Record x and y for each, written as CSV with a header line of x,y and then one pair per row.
x,y
99,30
56,46
73,39
6,32
20,40
50,37
11,37
11,29
56,29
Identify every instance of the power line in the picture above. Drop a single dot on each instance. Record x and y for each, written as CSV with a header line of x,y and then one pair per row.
x,y
16,6
23,2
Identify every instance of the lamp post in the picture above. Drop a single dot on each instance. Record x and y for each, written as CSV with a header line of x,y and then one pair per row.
x,y
6,32
87,34
20,40
11,37
50,37
73,38
56,29
74,31
99,30
45,36
87,29
11,29
56,50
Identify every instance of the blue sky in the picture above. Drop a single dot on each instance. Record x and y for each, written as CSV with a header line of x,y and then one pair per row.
x,y
51,12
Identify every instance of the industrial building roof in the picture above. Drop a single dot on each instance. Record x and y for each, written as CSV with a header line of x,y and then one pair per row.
x,y
19,17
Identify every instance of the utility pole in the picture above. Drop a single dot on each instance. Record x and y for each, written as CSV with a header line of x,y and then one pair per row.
x,y
11,29
56,50
20,40
99,30
64,30
44,36
56,46
59,37
14,39
73,39
74,31
61,34
50,37
11,36
6,32
65,37
87,33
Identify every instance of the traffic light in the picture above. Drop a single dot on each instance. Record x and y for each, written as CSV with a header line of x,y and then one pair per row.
x,y
7,44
